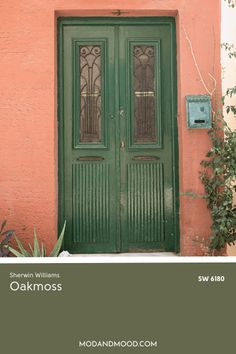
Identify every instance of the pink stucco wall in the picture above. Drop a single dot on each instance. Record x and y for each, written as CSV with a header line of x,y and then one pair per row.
x,y
28,106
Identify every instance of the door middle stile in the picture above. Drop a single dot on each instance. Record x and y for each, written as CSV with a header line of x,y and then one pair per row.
x,y
117,127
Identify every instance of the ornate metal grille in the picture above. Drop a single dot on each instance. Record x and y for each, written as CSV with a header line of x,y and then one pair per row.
x,y
144,94
90,93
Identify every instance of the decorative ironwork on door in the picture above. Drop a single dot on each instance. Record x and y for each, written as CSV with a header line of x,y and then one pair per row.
x,y
144,93
90,93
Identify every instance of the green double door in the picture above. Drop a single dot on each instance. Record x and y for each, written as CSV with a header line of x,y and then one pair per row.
x,y
117,135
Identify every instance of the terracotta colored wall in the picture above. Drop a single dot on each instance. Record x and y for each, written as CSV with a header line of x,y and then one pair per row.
x,y
28,144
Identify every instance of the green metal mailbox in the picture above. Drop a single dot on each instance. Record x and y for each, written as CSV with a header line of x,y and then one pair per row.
x,y
198,109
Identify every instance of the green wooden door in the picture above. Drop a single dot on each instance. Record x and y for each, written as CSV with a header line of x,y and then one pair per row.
x,y
117,135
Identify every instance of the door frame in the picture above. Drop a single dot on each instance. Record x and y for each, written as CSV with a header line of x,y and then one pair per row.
x,y
90,21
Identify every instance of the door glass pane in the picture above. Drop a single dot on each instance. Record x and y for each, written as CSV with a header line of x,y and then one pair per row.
x,y
144,93
90,93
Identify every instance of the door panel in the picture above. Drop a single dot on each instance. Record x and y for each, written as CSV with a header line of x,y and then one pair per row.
x,y
89,145
117,186
146,159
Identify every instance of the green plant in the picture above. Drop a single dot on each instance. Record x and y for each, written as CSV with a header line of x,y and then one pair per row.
x,y
5,237
219,179
36,250
219,170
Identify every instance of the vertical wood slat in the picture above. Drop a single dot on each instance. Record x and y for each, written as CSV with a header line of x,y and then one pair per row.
x,y
91,205
145,202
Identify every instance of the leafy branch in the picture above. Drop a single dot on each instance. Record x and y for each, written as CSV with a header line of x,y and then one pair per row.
x,y
231,3
230,49
219,179
229,93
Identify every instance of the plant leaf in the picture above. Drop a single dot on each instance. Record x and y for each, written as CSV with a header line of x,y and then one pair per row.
x,y
31,250
43,250
21,248
15,252
3,225
6,232
6,239
36,252
58,245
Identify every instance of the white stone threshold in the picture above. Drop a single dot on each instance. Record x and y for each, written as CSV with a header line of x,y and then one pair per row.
x,y
128,255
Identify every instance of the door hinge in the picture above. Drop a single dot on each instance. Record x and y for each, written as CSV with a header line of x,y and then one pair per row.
x,y
122,144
